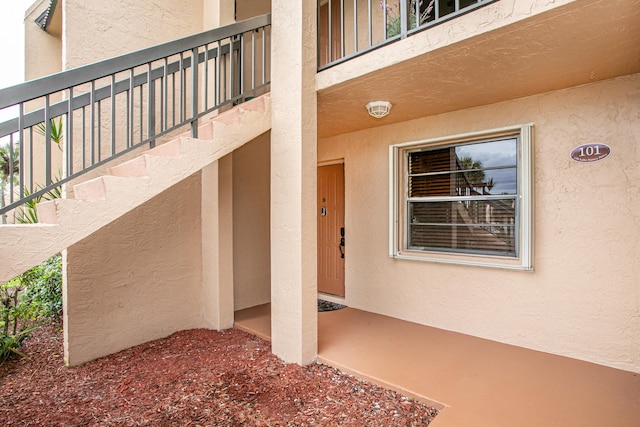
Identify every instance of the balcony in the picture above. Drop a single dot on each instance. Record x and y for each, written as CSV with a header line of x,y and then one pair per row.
x,y
491,52
351,28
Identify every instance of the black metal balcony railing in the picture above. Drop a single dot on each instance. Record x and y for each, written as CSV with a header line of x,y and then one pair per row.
x,y
71,122
348,28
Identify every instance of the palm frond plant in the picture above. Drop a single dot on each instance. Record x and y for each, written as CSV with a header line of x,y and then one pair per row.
x,y
6,158
30,208
393,23
9,166
55,129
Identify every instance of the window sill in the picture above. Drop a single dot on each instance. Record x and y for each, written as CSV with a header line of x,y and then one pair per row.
x,y
468,260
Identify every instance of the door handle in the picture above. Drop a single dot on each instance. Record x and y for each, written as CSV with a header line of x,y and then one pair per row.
x,y
341,245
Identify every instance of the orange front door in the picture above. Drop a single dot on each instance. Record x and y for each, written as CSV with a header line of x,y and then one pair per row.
x,y
331,238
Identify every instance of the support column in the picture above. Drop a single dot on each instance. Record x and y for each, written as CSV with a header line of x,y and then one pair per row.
x,y
217,209
218,13
217,243
293,181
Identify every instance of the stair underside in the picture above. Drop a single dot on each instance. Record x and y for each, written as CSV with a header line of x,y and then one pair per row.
x,y
102,200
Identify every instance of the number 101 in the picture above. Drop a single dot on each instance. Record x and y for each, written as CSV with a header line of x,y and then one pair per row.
x,y
590,150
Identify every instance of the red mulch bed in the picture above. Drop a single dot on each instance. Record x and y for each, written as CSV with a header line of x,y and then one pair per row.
x,y
198,378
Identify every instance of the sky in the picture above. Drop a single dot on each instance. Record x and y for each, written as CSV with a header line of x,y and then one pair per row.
x,y
12,47
12,41
500,154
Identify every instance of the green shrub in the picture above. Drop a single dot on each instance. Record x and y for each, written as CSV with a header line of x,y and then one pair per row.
x,y
14,318
43,288
28,300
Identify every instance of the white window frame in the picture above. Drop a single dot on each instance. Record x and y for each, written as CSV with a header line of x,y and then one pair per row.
x,y
397,197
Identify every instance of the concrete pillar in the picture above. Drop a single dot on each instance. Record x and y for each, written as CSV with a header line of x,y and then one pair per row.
x,y
217,243
217,210
293,181
218,13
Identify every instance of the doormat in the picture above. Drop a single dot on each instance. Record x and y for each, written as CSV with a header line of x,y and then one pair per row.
x,y
328,306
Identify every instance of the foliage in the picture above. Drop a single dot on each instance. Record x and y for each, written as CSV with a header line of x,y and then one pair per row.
x,y
26,300
55,129
14,314
43,287
6,158
474,170
9,165
10,344
36,294
475,175
393,15
30,211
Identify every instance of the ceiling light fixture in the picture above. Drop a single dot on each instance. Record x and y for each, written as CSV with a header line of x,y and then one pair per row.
x,y
378,109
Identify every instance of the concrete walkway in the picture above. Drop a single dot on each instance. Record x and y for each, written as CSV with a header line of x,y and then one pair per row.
x,y
476,382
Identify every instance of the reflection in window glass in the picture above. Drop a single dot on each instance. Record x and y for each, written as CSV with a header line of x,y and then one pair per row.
x,y
451,197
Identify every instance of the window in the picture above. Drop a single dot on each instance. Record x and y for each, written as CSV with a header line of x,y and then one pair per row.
x,y
464,199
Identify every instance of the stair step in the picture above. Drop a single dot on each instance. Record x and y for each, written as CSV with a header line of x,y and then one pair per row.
x,y
169,149
48,212
256,104
132,168
230,117
100,188
205,131
99,201
138,174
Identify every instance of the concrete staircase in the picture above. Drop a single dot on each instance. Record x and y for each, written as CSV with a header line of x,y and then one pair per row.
x,y
479,237
102,200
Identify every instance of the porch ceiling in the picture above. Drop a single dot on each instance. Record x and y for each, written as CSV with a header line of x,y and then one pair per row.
x,y
574,44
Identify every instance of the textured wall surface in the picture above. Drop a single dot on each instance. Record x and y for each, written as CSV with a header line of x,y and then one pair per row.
x,y
137,279
94,31
583,298
42,56
42,50
251,226
293,182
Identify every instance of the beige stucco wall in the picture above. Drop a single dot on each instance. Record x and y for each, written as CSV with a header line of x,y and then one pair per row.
x,y
217,13
583,298
202,252
94,31
42,50
137,279
42,56
251,219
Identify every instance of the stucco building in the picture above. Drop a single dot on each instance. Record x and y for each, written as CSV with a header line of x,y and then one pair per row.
x,y
499,197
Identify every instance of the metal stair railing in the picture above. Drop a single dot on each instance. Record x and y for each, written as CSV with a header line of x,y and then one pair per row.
x,y
77,120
